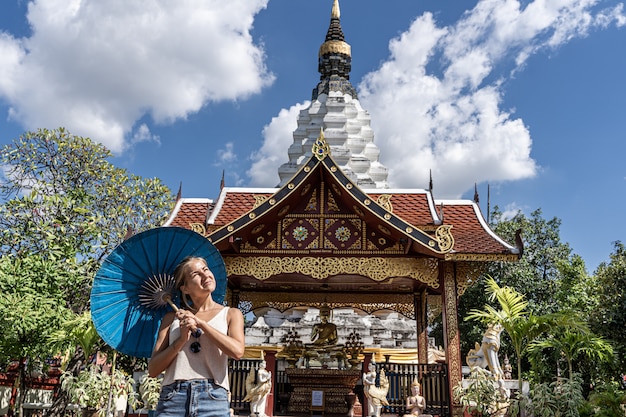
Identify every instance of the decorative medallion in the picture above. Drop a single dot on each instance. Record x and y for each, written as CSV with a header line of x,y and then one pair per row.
x,y
272,201
300,233
307,168
291,186
342,234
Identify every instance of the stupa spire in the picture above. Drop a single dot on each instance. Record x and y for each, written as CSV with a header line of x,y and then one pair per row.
x,y
334,59
336,114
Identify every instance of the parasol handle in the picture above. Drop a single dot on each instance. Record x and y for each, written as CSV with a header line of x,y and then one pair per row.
x,y
168,299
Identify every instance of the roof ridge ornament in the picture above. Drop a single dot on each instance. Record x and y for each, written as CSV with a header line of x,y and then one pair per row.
x,y
320,148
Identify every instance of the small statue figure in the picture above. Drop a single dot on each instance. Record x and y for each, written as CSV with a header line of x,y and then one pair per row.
x,y
257,394
486,354
415,403
376,396
508,369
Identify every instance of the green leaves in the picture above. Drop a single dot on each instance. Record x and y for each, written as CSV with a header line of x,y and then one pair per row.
x,y
65,207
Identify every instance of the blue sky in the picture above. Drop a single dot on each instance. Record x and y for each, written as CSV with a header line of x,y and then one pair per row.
x,y
527,96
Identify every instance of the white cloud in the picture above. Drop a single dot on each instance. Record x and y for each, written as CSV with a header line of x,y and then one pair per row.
x,y
455,124
278,136
97,67
143,134
227,154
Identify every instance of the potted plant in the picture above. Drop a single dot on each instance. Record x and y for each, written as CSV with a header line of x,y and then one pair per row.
x,y
95,391
480,395
149,391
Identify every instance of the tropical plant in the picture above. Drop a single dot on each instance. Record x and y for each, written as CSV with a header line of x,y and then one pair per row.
x,y
149,391
607,400
480,395
92,388
574,343
520,325
560,398
78,330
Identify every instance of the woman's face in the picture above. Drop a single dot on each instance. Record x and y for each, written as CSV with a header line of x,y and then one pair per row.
x,y
198,277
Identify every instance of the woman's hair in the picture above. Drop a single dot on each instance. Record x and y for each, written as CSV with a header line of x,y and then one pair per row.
x,y
182,268
180,272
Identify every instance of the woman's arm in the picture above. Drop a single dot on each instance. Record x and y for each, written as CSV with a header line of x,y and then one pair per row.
x,y
233,342
164,352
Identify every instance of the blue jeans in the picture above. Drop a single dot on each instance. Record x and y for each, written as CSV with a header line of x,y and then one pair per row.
x,y
195,398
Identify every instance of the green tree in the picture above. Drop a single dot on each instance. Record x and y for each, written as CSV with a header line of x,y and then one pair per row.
x,y
539,271
609,318
31,306
551,278
519,323
65,208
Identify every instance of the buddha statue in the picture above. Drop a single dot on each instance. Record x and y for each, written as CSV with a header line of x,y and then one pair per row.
x,y
323,346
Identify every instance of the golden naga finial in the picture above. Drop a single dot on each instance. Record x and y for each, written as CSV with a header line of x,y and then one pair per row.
x,y
320,148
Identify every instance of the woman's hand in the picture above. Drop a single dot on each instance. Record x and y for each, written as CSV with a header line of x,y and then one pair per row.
x,y
188,323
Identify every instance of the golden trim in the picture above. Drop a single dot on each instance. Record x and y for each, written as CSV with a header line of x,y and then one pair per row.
x,y
258,200
384,200
198,228
444,238
481,257
467,274
370,303
424,270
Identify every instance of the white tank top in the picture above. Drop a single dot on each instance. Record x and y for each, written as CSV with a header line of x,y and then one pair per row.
x,y
209,363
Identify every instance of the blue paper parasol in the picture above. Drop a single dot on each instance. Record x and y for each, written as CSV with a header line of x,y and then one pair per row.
x,y
134,287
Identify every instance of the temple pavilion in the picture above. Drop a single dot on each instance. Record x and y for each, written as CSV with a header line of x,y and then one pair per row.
x,y
333,233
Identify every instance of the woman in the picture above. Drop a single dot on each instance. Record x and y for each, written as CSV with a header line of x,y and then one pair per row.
x,y
193,347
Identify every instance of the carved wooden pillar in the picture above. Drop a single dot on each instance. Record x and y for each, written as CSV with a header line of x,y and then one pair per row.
x,y
451,327
421,320
368,357
270,361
